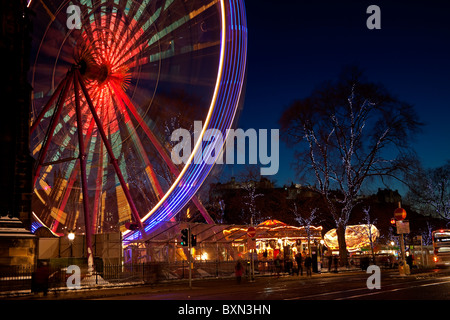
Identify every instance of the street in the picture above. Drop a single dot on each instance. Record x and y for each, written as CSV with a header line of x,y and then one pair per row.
x,y
345,286
269,297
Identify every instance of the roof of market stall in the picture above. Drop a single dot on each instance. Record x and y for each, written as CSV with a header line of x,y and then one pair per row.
x,y
168,231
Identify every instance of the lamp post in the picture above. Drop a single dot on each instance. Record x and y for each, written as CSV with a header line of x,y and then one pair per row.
x,y
400,215
71,237
322,243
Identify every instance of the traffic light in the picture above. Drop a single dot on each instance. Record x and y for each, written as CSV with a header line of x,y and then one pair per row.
x,y
394,226
185,237
193,240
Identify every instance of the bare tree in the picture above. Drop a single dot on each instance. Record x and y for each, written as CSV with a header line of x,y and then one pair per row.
x,y
249,180
369,221
429,190
427,235
306,222
346,133
221,212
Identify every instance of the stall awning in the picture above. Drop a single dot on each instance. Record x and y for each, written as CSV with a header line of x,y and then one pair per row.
x,y
168,231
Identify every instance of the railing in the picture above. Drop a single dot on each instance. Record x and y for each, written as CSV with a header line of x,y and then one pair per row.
x,y
57,278
17,277
362,262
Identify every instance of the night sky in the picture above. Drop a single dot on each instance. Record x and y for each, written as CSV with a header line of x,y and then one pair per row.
x,y
296,45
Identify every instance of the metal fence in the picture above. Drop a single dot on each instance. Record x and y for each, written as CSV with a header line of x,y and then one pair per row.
x,y
16,278
29,278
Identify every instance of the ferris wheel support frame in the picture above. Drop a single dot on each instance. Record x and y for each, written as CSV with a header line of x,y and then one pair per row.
x,y
48,136
73,77
82,158
47,106
109,150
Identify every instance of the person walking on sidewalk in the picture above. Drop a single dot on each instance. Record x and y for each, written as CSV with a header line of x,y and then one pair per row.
x,y
278,265
335,261
239,270
329,259
299,260
308,264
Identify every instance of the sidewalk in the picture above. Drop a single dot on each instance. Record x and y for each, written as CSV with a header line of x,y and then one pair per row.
x,y
93,292
137,288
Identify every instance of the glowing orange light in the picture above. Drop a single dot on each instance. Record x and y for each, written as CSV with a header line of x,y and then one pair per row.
x,y
272,223
356,237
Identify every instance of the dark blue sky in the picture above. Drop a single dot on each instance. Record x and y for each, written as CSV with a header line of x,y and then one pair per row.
x,y
295,45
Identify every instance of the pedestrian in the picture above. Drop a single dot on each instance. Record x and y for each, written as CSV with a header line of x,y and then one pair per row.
x,y
308,263
391,262
409,261
330,259
288,265
41,277
278,265
299,260
335,261
238,270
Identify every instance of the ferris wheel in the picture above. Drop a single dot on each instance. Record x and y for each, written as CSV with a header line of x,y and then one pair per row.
x,y
111,79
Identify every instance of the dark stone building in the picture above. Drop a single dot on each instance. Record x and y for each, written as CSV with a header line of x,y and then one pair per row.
x,y
16,163
17,244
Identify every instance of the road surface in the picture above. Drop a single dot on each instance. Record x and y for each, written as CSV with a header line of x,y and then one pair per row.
x,y
345,286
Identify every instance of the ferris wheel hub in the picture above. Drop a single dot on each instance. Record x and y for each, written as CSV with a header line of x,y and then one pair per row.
x,y
93,71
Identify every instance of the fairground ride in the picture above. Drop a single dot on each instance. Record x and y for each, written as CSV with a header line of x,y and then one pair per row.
x,y
111,79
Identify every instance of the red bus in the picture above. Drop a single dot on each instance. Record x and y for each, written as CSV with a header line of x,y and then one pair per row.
x,y
441,246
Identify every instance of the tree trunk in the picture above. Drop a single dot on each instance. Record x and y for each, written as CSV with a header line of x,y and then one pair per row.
x,y
343,259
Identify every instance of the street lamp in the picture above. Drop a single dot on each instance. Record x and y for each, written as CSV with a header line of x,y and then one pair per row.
x,y
71,236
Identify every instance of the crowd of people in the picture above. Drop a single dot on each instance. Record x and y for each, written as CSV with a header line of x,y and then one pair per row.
x,y
300,264
303,263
